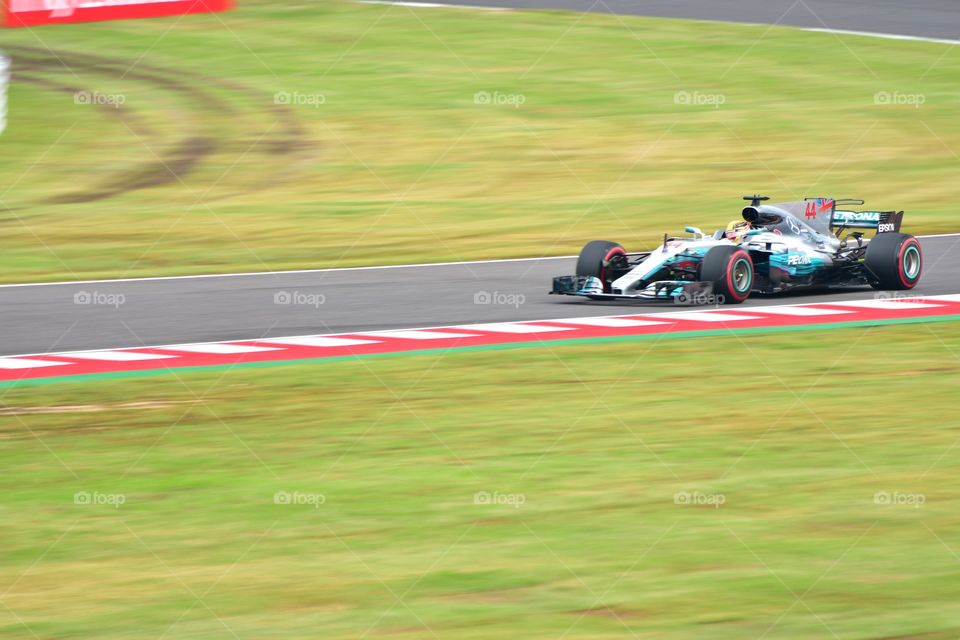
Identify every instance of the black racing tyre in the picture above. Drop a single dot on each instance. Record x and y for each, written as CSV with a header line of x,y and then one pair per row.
x,y
730,269
595,258
894,261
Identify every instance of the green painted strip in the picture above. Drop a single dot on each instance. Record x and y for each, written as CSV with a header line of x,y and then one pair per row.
x,y
118,375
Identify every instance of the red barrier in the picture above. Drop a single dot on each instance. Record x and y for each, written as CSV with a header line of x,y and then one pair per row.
x,y
28,13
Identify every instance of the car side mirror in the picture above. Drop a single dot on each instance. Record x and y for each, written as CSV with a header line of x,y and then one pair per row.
x,y
695,231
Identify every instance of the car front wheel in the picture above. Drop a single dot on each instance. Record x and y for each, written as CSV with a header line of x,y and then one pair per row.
x,y
730,269
596,258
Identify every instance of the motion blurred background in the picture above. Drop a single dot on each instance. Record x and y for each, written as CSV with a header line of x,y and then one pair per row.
x,y
794,485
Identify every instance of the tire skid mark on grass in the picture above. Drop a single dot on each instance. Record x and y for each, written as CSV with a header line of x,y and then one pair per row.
x,y
173,167
280,133
122,112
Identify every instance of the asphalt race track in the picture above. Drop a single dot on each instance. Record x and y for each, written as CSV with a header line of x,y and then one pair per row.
x,y
45,318
99,315
921,18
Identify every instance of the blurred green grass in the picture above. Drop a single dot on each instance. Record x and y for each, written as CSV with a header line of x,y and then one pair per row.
x,y
399,163
797,434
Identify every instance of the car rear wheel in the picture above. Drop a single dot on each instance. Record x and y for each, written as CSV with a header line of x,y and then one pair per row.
x,y
730,269
596,258
894,261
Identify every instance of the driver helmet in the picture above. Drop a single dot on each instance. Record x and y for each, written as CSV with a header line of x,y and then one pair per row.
x,y
736,231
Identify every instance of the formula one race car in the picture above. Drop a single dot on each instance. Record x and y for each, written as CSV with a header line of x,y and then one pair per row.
x,y
774,248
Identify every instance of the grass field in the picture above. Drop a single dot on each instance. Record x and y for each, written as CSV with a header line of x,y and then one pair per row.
x,y
336,133
779,486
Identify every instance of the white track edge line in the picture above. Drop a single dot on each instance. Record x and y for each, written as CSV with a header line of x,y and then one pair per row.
x,y
880,34
434,5
843,32
200,276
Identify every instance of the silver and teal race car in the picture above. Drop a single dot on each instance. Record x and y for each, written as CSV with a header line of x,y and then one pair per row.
x,y
774,248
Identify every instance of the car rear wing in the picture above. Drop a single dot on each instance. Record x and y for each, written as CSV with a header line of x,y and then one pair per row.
x,y
879,221
823,214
